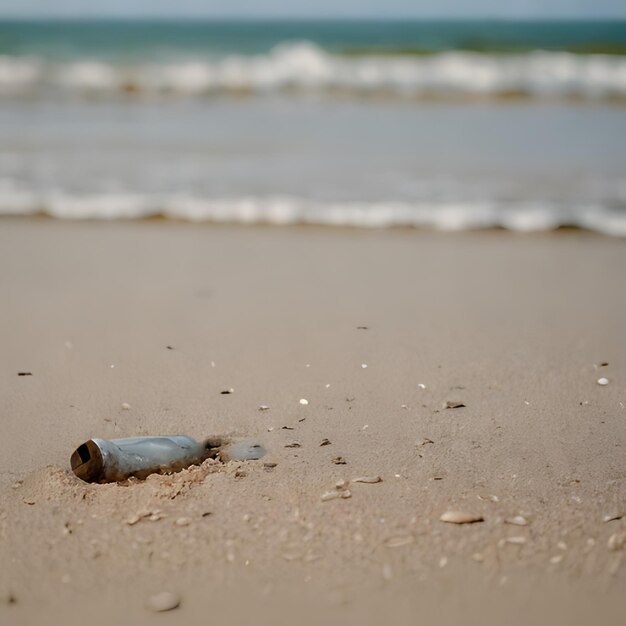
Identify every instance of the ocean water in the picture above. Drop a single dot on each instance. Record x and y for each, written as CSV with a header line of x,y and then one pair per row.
x,y
444,125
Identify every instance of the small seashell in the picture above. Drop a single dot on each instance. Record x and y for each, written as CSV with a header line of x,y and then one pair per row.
x,y
603,381
132,520
163,601
616,541
294,444
460,517
453,404
304,401
364,365
226,392
264,407
367,479
339,460
615,516
325,442
125,406
517,520
155,517
345,494
490,498
397,542
183,521
421,385
342,484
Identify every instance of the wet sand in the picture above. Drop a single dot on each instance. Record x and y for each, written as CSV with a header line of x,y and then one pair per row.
x,y
164,316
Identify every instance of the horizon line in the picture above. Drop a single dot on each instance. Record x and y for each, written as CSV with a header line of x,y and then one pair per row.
x,y
305,18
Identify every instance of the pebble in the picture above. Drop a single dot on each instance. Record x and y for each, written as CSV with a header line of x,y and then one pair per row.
x,y
125,406
555,560
517,520
163,601
132,520
460,517
453,404
603,381
304,401
421,385
364,365
183,521
367,479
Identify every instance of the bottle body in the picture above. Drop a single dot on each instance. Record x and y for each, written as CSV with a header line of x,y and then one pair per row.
x,y
110,460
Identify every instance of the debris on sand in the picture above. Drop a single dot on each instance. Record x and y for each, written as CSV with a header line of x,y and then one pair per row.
x,y
226,392
488,497
325,442
24,373
516,520
333,495
264,407
339,460
453,404
163,601
425,441
371,480
603,381
460,517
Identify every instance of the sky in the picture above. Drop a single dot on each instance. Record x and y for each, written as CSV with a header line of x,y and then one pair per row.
x,y
314,8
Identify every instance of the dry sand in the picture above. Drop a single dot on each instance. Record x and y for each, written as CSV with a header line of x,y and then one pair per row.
x,y
514,327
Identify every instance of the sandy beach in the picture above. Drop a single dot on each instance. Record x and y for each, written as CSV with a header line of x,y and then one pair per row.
x,y
136,328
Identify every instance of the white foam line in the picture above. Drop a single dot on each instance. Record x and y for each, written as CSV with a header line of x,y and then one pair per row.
x,y
306,67
287,210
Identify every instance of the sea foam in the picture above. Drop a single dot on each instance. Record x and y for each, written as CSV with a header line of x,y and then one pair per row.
x,y
305,67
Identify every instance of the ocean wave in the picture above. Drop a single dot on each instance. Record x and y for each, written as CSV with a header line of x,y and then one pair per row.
x,y
525,216
305,67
